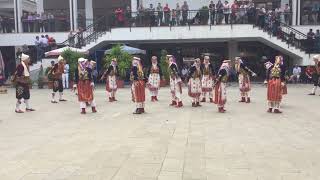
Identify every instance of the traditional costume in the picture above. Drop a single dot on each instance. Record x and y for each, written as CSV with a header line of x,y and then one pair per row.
x,y
22,82
221,84
244,79
275,85
194,83
56,74
111,76
84,84
154,79
207,80
314,74
175,82
138,85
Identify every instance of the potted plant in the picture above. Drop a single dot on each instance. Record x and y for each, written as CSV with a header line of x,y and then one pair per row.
x,y
41,78
72,58
124,62
164,68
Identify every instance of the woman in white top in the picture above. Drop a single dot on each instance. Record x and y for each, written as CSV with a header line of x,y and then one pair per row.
x,y
226,11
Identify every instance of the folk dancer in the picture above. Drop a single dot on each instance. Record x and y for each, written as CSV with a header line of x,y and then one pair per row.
x,y
208,76
56,74
314,74
194,83
275,85
175,82
155,75
221,84
22,83
244,79
84,84
138,85
111,76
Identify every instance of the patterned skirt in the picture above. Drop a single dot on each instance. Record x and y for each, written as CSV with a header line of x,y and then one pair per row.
x,y
274,90
220,97
153,82
138,91
111,84
85,91
244,83
194,87
206,84
22,91
175,85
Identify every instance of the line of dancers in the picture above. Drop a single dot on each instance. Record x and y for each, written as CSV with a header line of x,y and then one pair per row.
x,y
202,81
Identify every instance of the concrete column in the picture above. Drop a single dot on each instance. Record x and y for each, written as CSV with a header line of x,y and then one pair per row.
x,y
71,14
17,6
294,12
134,5
299,12
233,49
89,12
75,14
40,6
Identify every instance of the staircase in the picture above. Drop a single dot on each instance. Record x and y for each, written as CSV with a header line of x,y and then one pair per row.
x,y
96,35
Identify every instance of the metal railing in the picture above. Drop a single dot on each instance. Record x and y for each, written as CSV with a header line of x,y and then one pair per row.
x,y
274,24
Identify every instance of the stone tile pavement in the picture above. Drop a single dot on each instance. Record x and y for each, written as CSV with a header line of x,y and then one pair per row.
x,y
246,143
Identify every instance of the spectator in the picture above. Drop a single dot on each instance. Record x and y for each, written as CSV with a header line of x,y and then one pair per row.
x,y
24,20
160,14
212,8
44,23
71,39
234,11
174,17
178,12
43,43
1,25
128,15
251,13
242,13
38,23
31,20
185,9
141,14
219,8
296,72
226,12
150,15
65,76
287,14
119,17
310,41
51,23
317,41
166,11
261,17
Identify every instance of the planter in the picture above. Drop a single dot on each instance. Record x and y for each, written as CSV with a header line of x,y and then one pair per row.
x,y
120,83
163,83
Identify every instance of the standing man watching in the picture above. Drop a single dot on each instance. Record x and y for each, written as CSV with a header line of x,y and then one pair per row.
x,y
65,76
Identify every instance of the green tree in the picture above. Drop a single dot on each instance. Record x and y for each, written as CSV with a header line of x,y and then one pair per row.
x,y
123,58
164,65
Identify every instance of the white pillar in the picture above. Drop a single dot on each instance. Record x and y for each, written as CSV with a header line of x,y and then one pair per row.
x,y
134,5
299,12
75,14
40,6
233,49
71,14
17,15
294,12
89,12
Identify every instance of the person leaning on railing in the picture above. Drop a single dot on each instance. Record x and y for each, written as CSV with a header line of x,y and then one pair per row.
x,y
185,9
166,11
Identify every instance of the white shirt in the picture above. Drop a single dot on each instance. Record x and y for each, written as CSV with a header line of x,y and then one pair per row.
x,y
66,68
44,41
296,71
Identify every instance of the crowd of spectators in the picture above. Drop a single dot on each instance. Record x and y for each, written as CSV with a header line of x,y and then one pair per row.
x,y
45,22
223,12
313,41
6,24
43,44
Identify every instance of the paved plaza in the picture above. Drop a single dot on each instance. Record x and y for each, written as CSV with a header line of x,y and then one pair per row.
x,y
58,143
